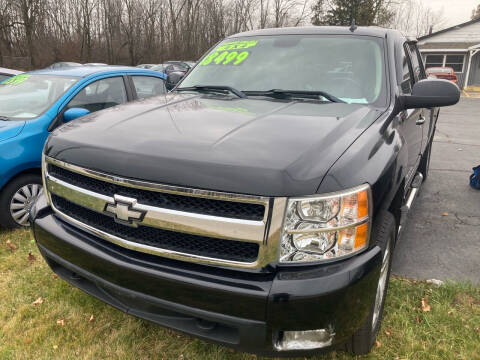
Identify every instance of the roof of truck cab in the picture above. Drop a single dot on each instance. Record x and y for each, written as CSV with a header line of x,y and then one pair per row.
x,y
84,71
325,30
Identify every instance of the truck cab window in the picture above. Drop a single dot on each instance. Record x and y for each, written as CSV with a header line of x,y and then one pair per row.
x,y
407,81
416,68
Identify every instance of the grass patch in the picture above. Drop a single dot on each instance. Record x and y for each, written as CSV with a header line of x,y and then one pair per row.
x,y
451,330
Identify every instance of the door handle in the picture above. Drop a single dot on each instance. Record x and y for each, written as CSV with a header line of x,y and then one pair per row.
x,y
421,120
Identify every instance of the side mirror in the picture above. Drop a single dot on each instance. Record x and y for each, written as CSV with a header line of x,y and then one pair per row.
x,y
74,113
173,79
432,93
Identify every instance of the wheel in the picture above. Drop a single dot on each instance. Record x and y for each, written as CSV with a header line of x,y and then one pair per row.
x,y
16,199
383,235
425,162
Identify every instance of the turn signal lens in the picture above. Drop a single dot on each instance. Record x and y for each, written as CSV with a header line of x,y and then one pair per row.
x,y
362,201
353,239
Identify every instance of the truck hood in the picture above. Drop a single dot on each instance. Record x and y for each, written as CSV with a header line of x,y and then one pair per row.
x,y
251,146
9,129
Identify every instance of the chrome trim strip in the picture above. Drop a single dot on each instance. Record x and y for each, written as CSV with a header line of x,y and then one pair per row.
x,y
270,252
44,173
79,196
173,220
139,184
329,229
153,250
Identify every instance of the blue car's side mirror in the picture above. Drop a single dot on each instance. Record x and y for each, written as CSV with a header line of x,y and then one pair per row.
x,y
74,113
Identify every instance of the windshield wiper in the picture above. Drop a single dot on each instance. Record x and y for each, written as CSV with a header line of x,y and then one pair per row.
x,y
282,94
4,118
215,88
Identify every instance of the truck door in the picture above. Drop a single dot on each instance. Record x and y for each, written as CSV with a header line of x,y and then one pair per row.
x,y
411,120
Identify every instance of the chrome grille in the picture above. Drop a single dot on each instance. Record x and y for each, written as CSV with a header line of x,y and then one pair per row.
x,y
165,239
235,210
186,224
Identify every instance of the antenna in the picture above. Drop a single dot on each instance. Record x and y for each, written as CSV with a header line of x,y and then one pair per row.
x,y
353,27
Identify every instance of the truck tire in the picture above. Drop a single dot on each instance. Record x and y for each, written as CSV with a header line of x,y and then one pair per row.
x,y
16,198
384,234
425,162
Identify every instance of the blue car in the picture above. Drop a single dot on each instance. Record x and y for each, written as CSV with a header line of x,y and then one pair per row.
x,y
35,103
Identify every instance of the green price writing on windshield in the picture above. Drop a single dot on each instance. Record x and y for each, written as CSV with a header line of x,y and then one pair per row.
x,y
232,53
15,80
225,58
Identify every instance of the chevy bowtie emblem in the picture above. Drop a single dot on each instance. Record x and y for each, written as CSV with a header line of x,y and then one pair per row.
x,y
124,212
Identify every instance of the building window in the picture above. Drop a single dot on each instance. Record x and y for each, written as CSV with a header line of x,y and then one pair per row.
x,y
454,61
434,61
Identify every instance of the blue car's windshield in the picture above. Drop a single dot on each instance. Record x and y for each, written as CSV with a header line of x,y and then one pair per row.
x,y
27,96
348,67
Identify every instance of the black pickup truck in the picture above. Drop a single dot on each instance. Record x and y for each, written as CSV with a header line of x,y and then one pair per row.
x,y
258,204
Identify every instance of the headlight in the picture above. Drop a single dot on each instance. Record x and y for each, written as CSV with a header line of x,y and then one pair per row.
x,y
326,227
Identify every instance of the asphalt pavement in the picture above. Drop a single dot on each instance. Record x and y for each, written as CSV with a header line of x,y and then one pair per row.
x,y
442,235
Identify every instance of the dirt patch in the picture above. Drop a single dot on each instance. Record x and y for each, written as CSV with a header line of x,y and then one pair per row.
x,y
466,300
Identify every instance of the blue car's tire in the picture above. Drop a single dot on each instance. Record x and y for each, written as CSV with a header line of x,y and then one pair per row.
x,y
16,199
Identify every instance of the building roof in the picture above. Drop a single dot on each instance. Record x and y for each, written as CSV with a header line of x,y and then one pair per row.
x,y
84,71
447,45
455,27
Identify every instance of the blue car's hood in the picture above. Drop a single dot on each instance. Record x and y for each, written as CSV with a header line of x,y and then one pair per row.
x,y
9,129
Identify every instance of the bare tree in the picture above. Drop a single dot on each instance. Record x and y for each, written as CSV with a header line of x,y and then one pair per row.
x,y
476,13
415,18
131,31
289,12
29,14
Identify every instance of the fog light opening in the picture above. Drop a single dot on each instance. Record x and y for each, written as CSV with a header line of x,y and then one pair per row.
x,y
304,340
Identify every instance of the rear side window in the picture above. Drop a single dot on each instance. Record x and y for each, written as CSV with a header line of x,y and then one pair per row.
x,y
100,95
147,86
416,66
3,77
406,76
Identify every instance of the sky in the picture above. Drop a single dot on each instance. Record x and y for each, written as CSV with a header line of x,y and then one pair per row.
x,y
454,11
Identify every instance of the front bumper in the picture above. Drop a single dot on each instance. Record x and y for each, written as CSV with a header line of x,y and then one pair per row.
x,y
238,309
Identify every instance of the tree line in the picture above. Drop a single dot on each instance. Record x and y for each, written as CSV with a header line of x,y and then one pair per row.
x,y
152,31
476,13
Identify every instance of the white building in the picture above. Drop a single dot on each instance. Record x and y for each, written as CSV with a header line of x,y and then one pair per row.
x,y
457,47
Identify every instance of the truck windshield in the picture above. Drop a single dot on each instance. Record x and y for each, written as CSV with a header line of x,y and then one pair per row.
x,y
348,67
27,96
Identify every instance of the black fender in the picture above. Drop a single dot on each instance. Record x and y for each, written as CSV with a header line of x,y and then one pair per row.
x,y
378,157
